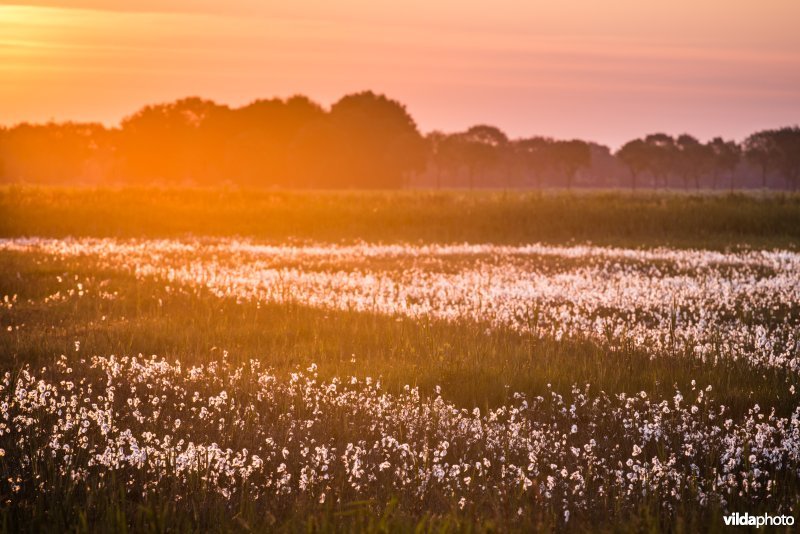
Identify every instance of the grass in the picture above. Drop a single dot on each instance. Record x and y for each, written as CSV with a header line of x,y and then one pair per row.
x,y
605,218
475,365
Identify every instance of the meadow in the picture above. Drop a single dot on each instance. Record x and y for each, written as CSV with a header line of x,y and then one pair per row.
x,y
431,361
713,221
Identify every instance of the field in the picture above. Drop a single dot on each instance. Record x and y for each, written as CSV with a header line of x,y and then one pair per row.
x,y
235,361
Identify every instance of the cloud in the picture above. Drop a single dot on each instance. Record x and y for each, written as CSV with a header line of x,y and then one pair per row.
x,y
141,6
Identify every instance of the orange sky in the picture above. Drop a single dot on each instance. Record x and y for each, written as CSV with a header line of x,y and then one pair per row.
x,y
605,71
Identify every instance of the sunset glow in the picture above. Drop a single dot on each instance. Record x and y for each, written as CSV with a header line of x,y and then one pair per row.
x,y
425,266
602,71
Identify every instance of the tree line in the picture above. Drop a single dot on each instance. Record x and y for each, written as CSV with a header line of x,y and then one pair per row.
x,y
366,140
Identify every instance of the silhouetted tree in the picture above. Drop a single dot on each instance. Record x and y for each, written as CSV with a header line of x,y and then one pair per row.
x,y
3,149
480,147
692,159
786,143
314,157
261,141
52,152
365,140
571,157
377,141
661,154
636,155
536,156
760,150
444,151
725,158
166,143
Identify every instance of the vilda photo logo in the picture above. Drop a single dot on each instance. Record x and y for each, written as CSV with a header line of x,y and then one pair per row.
x,y
758,521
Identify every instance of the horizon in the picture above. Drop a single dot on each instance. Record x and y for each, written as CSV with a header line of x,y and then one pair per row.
x,y
117,124
606,74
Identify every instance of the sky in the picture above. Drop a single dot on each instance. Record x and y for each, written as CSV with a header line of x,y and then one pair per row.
x,y
605,71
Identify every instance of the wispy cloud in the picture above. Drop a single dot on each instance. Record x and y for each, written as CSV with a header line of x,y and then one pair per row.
x,y
138,6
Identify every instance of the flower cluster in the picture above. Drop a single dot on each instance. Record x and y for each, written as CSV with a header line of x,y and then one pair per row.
x,y
703,304
282,438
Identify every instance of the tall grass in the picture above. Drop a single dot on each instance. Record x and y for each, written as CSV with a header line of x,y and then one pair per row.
x,y
475,366
78,307
609,218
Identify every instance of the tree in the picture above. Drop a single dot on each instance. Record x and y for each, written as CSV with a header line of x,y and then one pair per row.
x,y
725,157
314,157
571,156
168,142
261,139
760,150
786,143
479,147
52,152
2,154
444,152
693,159
636,155
377,142
661,155
535,154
